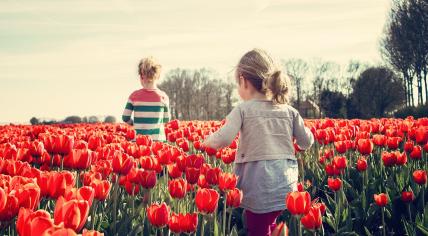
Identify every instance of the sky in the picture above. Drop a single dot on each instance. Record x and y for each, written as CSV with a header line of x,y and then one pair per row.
x,y
61,58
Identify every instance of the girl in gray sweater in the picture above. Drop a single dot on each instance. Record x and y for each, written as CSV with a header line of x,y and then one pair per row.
x,y
265,160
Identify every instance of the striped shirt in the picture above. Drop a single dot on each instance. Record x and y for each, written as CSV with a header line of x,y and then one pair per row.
x,y
151,112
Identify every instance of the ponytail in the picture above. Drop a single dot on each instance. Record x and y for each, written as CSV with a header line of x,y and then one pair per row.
x,y
278,86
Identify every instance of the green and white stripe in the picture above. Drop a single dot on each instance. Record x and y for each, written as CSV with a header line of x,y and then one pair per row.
x,y
149,118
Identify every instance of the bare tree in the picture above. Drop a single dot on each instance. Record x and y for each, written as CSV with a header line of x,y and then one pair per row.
x,y
297,70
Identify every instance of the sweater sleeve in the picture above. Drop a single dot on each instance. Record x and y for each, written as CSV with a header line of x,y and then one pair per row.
x,y
127,112
303,135
228,132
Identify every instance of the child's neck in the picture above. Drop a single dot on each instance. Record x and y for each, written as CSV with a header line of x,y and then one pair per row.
x,y
258,96
149,86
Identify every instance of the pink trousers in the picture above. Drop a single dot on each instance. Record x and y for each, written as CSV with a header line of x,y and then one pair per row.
x,y
261,224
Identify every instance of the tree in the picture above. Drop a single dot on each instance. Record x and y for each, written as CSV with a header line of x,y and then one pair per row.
x,y
297,70
93,119
197,94
405,45
110,119
377,92
333,104
73,119
34,121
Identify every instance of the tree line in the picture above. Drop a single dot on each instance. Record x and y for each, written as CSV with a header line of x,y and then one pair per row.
x,y
73,120
404,46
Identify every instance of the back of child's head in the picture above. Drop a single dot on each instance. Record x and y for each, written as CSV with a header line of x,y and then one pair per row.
x,y
258,67
149,68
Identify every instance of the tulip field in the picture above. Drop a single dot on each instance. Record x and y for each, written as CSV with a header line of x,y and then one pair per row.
x,y
361,177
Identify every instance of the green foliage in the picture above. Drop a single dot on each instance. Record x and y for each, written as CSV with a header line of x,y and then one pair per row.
x,y
416,112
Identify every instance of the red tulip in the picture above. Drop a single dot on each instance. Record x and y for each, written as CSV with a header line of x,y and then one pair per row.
x,y
300,187
381,199
407,196
91,233
101,188
206,200
158,214
130,188
212,175
10,210
147,179
313,219
59,182
420,177
177,188
183,223
408,146
416,153
122,163
421,135
143,140
281,229
59,231
130,134
37,148
332,170
379,140
365,146
173,171
340,162
192,175
298,203
228,155
227,181
33,223
3,199
389,158
334,184
340,147
401,158
210,151
184,145
85,193
78,159
202,182
393,142
63,144
73,213
88,177
361,164
195,161
234,198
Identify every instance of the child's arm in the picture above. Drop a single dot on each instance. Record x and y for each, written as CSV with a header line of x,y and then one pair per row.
x,y
126,116
227,133
303,135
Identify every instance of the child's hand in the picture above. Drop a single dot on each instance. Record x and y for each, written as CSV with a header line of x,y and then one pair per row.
x,y
130,122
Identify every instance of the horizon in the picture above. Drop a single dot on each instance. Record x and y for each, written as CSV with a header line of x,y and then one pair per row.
x,y
62,58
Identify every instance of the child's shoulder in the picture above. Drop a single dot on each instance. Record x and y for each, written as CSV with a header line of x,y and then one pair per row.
x,y
266,106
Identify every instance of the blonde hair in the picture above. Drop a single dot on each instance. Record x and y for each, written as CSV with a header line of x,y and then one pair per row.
x,y
258,67
149,68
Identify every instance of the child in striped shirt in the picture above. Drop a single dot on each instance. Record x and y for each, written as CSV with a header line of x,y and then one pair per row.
x,y
149,104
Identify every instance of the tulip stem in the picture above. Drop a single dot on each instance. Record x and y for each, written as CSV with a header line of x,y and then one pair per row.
x,y
337,212
299,226
224,213
383,222
202,225
115,205
230,219
94,213
409,212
